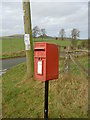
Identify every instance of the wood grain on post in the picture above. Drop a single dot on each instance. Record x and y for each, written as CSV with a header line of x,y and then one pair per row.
x,y
28,30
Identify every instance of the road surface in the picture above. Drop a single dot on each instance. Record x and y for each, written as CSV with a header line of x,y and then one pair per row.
x,y
9,63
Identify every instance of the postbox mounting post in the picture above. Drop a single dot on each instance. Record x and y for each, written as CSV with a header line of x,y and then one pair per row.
x,y
46,100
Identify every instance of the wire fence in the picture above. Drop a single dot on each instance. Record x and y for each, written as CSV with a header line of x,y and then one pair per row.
x,y
73,61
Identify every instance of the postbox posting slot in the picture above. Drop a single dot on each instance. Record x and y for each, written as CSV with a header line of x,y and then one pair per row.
x,y
39,49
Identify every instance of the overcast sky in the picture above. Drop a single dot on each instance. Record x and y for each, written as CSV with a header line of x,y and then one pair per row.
x,y
52,16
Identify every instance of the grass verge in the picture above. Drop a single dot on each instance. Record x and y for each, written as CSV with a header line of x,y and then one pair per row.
x,y
68,96
13,54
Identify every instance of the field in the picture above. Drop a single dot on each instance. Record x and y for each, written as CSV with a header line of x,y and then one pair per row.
x,y
14,46
68,96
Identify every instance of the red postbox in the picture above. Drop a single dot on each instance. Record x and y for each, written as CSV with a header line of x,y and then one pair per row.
x,y
46,61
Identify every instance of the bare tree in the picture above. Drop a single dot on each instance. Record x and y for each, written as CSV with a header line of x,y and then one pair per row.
x,y
75,33
35,31
62,33
43,33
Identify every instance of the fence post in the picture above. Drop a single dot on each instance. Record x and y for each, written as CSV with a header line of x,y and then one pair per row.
x,y
67,62
59,52
59,58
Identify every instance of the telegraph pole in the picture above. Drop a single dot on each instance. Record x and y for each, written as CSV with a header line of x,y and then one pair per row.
x,y
28,38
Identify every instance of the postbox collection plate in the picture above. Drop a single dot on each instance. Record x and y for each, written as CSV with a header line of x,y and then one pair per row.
x,y
39,67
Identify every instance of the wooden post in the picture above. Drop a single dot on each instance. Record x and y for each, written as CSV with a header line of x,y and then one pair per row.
x,y
28,31
59,50
67,64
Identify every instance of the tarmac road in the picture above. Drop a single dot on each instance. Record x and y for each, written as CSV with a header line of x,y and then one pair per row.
x,y
7,64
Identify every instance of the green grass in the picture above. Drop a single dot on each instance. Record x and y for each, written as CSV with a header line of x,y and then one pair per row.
x,y
68,96
13,46
58,42
17,44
